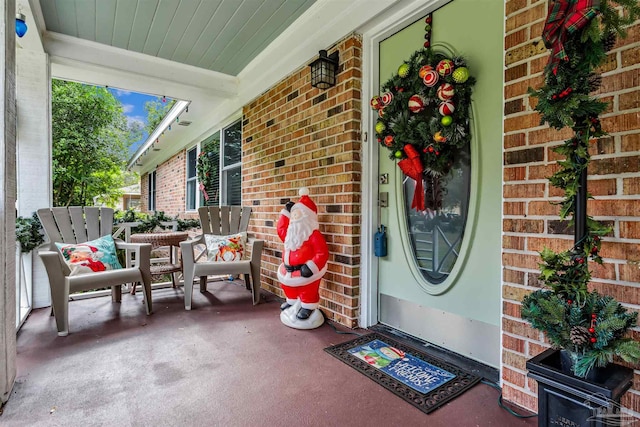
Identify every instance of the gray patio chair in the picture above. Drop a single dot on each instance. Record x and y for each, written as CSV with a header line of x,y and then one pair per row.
x,y
74,225
221,221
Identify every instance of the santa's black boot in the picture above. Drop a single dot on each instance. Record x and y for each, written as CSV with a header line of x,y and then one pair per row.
x,y
284,306
304,313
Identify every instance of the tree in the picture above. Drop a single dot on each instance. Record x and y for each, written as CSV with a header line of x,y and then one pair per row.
x,y
91,138
156,110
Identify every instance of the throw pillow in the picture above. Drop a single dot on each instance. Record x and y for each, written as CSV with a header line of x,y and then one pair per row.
x,y
225,248
90,257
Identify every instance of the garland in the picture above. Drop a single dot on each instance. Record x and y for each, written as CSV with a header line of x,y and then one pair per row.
x,y
204,169
424,116
592,327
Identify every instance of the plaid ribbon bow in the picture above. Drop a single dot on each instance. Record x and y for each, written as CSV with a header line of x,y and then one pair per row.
x,y
565,17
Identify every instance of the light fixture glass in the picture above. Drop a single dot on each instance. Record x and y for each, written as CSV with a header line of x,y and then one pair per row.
x,y
21,25
324,70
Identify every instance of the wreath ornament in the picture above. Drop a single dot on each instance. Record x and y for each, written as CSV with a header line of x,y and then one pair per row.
x,y
423,117
203,169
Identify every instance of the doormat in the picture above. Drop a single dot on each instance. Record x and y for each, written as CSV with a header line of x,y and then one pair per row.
x,y
422,380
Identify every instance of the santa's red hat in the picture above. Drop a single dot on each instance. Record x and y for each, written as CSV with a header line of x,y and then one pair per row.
x,y
305,201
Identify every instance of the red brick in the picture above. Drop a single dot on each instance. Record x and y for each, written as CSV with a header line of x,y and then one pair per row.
x,y
521,261
523,225
622,122
630,272
629,100
529,191
631,185
620,250
512,343
543,208
513,377
513,6
515,174
514,208
511,309
513,242
520,398
514,140
630,142
621,207
542,171
513,276
525,17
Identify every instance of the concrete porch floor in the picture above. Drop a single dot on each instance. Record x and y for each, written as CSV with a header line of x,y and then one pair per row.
x,y
225,363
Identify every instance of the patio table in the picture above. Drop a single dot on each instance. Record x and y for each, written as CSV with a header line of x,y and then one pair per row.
x,y
158,240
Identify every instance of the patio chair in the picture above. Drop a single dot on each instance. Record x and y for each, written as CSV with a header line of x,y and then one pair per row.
x,y
221,221
78,225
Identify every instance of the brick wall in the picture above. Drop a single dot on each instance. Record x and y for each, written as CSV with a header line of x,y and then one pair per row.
x,y
297,136
530,222
171,182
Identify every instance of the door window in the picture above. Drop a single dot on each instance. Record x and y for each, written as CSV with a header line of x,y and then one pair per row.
x,y
436,235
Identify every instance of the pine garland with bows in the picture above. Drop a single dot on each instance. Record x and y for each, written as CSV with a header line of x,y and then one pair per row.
x,y
579,33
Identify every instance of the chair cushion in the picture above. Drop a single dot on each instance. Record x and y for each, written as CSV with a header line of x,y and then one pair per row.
x,y
225,248
90,257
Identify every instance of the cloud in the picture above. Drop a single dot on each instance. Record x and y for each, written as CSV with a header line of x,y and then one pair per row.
x,y
120,92
127,108
137,119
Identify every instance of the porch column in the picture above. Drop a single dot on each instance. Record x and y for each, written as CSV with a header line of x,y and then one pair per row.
x,y
7,199
33,148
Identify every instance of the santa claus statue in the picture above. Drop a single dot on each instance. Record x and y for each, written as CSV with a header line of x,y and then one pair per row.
x,y
304,262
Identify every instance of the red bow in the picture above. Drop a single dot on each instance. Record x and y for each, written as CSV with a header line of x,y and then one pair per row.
x,y
565,17
412,167
204,192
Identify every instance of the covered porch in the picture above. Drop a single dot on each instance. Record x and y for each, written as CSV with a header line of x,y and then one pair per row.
x,y
224,363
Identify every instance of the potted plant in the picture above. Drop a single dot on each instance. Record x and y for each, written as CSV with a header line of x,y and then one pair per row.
x,y
29,233
587,330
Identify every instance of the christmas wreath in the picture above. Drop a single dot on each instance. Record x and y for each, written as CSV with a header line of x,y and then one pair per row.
x,y
204,169
424,116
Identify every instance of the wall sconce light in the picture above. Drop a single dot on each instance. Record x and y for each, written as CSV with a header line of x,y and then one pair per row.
x,y
21,25
324,70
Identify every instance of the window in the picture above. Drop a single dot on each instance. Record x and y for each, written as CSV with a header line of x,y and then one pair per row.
x,y
436,234
231,168
211,149
152,191
224,150
192,155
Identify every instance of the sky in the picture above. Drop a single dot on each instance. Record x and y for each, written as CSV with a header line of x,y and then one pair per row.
x,y
133,105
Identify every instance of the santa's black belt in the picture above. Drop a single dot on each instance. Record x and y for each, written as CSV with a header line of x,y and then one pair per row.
x,y
292,268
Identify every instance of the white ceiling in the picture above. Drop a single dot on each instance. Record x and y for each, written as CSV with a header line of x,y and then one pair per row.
x,y
216,54
217,35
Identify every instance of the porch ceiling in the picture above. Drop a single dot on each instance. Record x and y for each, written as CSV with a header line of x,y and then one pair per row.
x,y
217,35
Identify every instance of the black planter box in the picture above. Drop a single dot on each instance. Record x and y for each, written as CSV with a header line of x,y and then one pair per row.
x,y
566,400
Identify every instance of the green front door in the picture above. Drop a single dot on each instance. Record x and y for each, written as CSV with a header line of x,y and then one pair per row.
x,y
441,279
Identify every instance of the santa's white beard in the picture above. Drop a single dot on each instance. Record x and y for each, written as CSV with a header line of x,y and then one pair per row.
x,y
299,232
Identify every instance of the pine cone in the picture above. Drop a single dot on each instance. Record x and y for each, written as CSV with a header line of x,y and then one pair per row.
x,y
579,335
595,80
609,41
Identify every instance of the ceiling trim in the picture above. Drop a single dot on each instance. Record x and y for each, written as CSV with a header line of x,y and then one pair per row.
x,y
69,69
87,52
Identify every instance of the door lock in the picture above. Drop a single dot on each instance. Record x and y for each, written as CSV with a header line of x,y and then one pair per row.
x,y
384,178
383,200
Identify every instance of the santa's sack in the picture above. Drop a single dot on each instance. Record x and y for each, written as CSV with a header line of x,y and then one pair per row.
x,y
380,242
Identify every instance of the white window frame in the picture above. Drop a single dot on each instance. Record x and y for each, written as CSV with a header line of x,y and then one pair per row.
x,y
151,192
194,179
